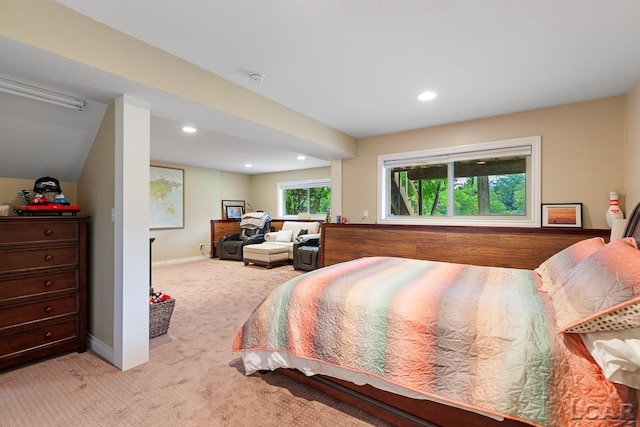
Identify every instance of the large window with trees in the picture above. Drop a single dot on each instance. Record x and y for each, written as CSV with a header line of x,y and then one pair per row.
x,y
312,197
493,183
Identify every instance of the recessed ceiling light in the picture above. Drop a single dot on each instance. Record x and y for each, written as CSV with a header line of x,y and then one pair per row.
x,y
248,165
188,129
427,96
301,157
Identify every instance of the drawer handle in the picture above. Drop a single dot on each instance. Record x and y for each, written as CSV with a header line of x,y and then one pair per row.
x,y
48,232
48,257
48,335
48,309
48,284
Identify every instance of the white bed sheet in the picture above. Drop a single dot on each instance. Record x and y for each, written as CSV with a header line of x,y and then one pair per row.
x,y
617,353
266,360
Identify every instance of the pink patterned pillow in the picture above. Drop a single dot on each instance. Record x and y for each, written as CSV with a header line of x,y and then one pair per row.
x,y
555,270
605,283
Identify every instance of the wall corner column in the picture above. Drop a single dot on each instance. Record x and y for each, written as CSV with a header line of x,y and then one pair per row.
x,y
131,246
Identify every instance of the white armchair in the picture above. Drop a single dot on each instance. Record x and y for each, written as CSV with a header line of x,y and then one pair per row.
x,y
293,232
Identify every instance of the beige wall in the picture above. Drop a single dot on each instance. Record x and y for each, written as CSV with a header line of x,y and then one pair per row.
x,y
264,187
582,152
96,188
204,190
632,147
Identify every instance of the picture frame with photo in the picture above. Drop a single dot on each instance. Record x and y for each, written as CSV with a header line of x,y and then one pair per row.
x,y
237,207
234,212
562,215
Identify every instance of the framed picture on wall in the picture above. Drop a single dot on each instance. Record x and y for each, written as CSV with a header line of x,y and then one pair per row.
x,y
562,215
166,197
233,209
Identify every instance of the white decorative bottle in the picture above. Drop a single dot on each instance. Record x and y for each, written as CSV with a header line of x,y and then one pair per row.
x,y
614,212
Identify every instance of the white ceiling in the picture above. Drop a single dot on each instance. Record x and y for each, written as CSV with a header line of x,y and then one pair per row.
x,y
355,65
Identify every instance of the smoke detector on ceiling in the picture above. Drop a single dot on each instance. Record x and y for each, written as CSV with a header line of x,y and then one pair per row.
x,y
256,78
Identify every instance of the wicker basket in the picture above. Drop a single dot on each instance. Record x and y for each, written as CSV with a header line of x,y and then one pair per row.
x,y
160,316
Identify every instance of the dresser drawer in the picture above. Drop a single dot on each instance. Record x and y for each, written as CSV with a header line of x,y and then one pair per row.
x,y
47,334
18,232
28,286
28,259
39,310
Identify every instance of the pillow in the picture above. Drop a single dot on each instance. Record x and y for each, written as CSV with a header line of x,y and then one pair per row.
x,y
301,233
284,236
604,286
623,318
617,353
555,269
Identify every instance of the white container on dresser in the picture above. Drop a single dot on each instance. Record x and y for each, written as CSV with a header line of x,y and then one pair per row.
x,y
43,287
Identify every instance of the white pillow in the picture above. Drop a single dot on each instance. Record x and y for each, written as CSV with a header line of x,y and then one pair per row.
x,y
617,353
284,236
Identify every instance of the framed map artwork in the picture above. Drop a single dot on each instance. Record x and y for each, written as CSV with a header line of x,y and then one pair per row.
x,y
166,197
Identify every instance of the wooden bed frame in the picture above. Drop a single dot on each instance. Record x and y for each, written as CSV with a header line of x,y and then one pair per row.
x,y
403,411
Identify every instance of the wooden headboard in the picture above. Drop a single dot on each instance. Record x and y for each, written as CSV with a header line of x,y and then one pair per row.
x,y
633,224
493,246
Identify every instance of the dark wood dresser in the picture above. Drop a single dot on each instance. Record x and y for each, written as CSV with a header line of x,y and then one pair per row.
x,y
219,229
43,287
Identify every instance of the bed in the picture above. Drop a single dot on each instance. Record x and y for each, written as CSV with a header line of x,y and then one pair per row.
x,y
434,343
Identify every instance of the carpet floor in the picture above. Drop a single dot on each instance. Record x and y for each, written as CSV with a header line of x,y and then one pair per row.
x,y
192,378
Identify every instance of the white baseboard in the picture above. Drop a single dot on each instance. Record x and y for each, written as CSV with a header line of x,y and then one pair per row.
x,y
177,261
100,348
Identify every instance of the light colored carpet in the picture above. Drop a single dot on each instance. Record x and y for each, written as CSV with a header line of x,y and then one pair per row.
x,y
192,378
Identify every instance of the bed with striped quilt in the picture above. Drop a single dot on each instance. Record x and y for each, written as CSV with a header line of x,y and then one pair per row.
x,y
479,338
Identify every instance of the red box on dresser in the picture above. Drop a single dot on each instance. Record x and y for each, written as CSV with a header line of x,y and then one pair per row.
x,y
43,287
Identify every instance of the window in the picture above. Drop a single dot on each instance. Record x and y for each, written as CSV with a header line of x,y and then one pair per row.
x,y
312,197
493,183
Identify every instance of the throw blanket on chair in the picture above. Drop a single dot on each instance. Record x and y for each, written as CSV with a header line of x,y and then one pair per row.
x,y
254,220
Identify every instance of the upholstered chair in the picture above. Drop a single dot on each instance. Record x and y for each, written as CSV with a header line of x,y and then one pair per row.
x,y
306,254
252,231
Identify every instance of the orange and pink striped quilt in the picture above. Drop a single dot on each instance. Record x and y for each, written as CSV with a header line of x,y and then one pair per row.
x,y
481,337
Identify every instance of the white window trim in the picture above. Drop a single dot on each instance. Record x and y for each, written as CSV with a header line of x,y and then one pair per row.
x,y
532,219
299,184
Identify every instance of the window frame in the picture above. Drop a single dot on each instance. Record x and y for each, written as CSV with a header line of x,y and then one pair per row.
x,y
289,185
450,154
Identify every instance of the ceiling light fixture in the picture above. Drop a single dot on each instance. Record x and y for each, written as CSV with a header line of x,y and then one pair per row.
x,y
189,129
248,165
301,157
427,96
39,94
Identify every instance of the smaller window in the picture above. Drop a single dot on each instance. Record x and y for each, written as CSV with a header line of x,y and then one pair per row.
x,y
312,197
